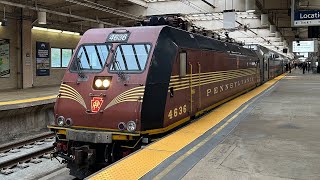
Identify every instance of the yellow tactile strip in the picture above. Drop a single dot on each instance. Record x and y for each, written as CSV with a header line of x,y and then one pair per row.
x,y
20,101
143,161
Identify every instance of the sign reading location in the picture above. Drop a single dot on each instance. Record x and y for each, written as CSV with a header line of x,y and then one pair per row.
x,y
306,18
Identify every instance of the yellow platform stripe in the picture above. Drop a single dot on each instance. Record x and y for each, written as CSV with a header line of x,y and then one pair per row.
x,y
28,100
143,161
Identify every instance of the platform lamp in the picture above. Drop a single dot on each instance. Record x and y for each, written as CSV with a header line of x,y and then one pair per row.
x,y
42,17
285,43
250,5
264,20
272,29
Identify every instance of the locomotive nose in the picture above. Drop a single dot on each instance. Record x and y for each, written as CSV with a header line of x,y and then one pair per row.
x,y
101,82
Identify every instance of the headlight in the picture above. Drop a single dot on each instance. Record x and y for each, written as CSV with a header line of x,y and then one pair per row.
x,y
60,121
131,126
101,82
98,83
106,83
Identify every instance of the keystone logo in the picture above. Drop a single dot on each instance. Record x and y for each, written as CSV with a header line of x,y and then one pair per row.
x,y
96,103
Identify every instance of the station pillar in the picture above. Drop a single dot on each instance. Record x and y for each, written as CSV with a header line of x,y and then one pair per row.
x,y
27,64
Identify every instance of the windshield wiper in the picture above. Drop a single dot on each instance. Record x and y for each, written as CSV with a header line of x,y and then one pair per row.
x,y
117,67
79,66
120,71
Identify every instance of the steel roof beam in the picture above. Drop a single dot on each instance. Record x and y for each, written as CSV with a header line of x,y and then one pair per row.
x,y
104,8
139,2
55,12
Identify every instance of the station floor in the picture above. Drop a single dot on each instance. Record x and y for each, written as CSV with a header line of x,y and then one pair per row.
x,y
273,135
278,139
28,96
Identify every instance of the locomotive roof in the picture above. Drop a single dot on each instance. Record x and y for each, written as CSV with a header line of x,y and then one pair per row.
x,y
151,34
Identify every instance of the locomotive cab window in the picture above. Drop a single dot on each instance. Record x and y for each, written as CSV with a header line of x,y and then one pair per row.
x,y
130,58
183,64
90,58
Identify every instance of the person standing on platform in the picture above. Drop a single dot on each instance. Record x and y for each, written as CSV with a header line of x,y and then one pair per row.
x,y
289,65
309,67
304,67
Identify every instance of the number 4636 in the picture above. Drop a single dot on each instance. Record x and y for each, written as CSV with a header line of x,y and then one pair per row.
x,y
177,111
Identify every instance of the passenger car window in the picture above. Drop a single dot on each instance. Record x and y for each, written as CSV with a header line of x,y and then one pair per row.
x,y
130,58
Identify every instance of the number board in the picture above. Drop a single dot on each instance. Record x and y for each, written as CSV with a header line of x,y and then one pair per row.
x,y
118,37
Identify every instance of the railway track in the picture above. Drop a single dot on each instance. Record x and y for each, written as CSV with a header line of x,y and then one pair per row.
x,y
27,150
7,147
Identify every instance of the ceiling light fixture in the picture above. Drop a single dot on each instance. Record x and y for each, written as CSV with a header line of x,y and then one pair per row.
x,y
42,17
4,20
55,30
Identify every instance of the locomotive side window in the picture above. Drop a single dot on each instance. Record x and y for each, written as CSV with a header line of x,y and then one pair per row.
x,y
183,64
130,58
91,58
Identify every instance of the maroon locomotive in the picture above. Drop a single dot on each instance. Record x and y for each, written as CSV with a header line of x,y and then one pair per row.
x,y
126,85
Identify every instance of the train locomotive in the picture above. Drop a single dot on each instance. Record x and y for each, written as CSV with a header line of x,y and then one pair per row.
x,y
125,86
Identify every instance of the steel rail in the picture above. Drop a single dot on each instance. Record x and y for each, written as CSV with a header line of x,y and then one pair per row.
x,y
26,157
21,143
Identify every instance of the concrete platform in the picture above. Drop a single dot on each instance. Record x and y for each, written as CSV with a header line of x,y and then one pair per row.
x,y
277,139
26,112
14,99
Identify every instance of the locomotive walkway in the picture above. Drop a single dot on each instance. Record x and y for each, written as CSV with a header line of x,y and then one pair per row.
x,y
271,132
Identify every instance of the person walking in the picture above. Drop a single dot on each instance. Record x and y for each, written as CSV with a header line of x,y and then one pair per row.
x,y
304,67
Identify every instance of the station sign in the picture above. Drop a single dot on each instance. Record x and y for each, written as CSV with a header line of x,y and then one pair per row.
x,y
42,59
304,46
306,18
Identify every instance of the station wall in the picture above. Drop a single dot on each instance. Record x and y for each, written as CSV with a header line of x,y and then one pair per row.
x,y
11,32
57,40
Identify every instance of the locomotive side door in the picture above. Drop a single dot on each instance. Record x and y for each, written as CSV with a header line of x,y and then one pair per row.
x,y
193,70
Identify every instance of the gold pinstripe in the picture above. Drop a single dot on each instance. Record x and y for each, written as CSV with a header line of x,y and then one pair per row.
x,y
67,87
210,77
131,95
176,84
72,98
215,72
68,92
